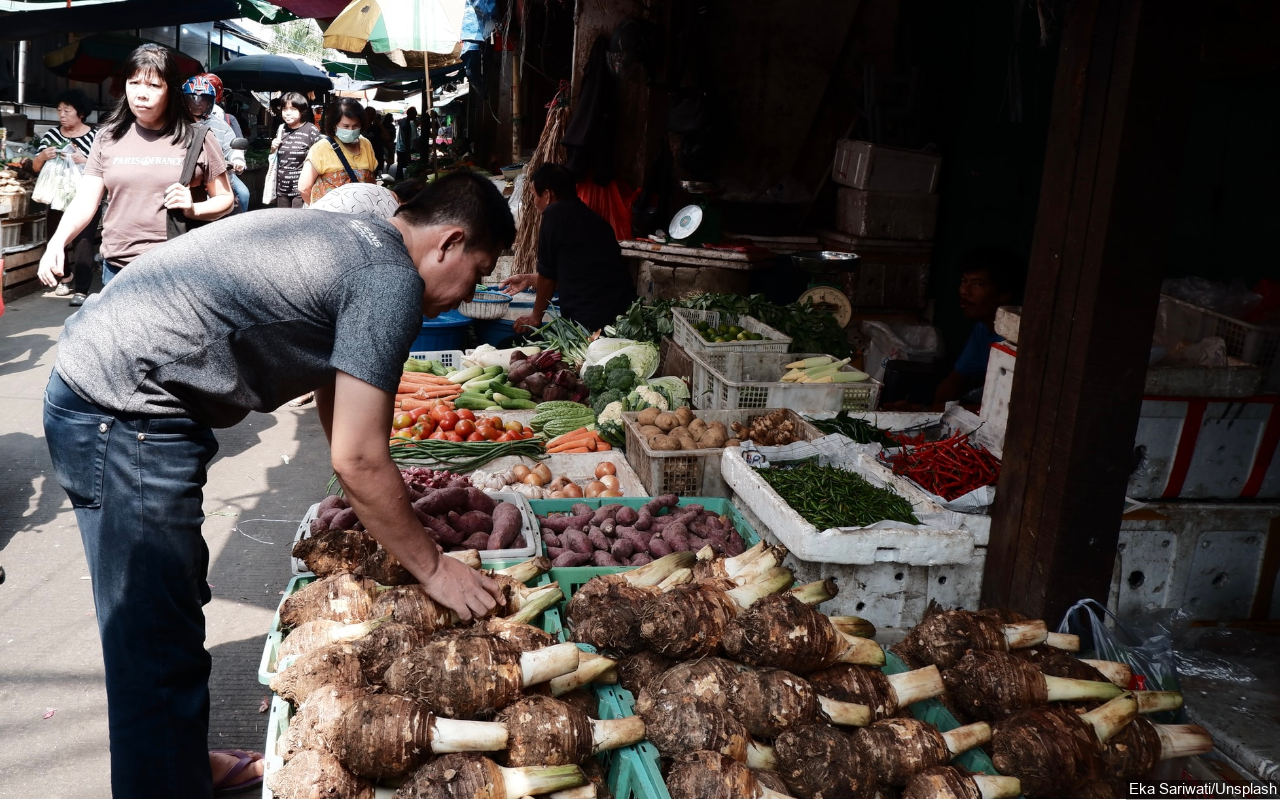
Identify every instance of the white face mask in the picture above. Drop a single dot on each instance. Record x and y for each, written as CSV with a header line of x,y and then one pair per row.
x,y
348,135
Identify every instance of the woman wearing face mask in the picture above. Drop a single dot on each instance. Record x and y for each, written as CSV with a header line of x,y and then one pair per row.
x,y
294,139
344,156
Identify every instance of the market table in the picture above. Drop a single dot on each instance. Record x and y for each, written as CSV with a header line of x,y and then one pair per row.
x,y
665,270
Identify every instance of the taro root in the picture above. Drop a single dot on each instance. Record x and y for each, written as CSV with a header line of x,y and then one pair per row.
x,y
885,695
770,782
309,729
336,664
1061,664
350,551
743,568
818,760
1133,752
472,676
521,635
770,701
945,637
784,632
707,680
901,747
321,633
543,731
605,612
385,737
342,597
317,774
705,773
689,621
991,685
591,669
637,669
682,724
412,605
953,782
466,775
1051,749
378,649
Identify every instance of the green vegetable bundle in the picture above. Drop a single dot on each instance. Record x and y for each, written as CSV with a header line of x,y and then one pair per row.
x,y
558,417
859,430
460,457
828,497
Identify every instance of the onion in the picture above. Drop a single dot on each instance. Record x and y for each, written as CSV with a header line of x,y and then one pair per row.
x,y
594,489
572,490
611,482
610,493
533,478
605,468
519,471
559,483
544,471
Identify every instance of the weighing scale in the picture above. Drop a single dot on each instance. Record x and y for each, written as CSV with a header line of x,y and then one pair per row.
x,y
698,223
824,291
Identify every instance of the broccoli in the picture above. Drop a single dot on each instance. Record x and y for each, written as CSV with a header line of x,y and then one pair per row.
x,y
594,377
620,361
624,380
598,402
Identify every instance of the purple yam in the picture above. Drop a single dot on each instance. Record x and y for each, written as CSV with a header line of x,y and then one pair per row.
x,y
577,541
600,558
598,540
476,541
571,559
477,500
626,516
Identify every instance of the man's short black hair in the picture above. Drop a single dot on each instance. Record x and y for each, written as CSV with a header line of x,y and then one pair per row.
x,y
557,178
406,190
1005,268
77,100
469,201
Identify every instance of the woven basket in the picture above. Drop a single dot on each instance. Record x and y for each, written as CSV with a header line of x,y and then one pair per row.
x,y
486,305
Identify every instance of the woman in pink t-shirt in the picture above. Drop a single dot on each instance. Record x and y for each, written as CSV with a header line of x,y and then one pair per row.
x,y
136,160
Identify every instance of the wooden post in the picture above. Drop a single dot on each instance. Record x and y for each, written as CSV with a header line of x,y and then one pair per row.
x,y
1121,100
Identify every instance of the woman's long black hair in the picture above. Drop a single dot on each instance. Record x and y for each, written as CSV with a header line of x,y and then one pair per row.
x,y
152,58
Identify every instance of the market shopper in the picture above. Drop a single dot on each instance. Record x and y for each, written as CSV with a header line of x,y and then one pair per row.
x,y
343,156
137,157
406,141
194,336
199,92
577,254
75,133
990,278
293,140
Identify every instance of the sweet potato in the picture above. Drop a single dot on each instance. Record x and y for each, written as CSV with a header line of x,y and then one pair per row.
x,y
344,520
639,560
644,519
579,509
659,548
551,538
598,540
477,500
570,558
317,526
675,536
562,524
333,501
443,500
577,541
554,552
444,533
626,516
476,541
505,526
602,558
472,522
622,549
605,512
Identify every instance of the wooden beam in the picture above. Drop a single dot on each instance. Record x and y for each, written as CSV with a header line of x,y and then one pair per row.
x,y
1117,128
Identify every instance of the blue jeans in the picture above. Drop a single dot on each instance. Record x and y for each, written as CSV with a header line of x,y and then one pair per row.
x,y
240,191
109,271
136,484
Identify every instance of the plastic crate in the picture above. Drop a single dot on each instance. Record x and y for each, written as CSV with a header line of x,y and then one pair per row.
x,y
685,335
691,472
1256,344
724,381
532,535
452,359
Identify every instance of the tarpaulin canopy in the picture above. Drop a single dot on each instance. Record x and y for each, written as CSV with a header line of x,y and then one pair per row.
x,y
385,26
314,9
31,19
99,56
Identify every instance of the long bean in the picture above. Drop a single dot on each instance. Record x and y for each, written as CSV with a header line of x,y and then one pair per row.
x,y
859,430
834,498
461,456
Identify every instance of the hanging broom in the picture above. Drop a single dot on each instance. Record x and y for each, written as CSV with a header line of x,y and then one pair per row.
x,y
549,150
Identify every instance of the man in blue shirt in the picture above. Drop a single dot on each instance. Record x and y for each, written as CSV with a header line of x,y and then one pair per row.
x,y
990,278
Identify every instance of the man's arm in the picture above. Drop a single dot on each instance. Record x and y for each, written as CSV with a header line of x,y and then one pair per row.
x,y
357,418
546,289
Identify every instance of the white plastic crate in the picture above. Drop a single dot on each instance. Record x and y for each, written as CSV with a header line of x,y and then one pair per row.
x,y
725,381
529,529
579,468
1256,344
941,538
690,472
452,359
687,336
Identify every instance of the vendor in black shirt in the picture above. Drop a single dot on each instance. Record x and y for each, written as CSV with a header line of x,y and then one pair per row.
x,y
577,253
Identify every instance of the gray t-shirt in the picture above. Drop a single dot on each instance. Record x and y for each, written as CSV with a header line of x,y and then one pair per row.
x,y
245,314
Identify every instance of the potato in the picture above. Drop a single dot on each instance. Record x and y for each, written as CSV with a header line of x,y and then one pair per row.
x,y
650,431
647,416
664,442
719,426
712,438
697,427
688,444
667,421
685,415
680,432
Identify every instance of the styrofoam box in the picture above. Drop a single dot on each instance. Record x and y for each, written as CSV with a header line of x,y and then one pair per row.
x,y
727,381
865,165
529,528
579,468
947,541
891,595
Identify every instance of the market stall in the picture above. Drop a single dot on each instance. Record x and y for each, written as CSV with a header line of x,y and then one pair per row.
x,y
22,224
708,594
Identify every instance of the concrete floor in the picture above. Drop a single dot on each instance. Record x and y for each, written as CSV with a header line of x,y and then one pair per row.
x,y
52,700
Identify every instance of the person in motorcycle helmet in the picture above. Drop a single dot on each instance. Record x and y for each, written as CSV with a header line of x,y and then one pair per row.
x,y
200,93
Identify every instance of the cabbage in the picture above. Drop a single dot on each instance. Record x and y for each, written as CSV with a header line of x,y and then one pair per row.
x,y
599,350
673,389
644,358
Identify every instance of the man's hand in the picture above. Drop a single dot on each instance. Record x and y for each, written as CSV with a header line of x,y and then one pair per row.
x,y
518,283
461,589
527,322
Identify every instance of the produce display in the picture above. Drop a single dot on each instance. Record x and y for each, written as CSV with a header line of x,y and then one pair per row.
x,y
461,457
725,333
681,429
443,421
558,417
773,428
537,482
948,468
617,535
545,376
821,369
828,497
458,515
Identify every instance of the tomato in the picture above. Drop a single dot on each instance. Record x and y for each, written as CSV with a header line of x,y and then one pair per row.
x,y
419,432
495,422
447,421
465,427
506,437
466,413
484,429
427,422
514,425
528,432
401,420
474,437
453,436
438,410
403,433
420,412
437,435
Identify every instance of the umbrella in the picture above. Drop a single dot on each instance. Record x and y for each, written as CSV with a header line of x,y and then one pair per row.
x,y
95,58
432,26
272,73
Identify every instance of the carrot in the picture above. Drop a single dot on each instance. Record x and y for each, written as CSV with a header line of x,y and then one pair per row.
x,y
419,377
581,434
570,451
410,403
408,388
603,445
452,390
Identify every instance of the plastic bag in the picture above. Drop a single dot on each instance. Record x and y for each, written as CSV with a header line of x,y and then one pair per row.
x,y
269,184
1150,654
56,186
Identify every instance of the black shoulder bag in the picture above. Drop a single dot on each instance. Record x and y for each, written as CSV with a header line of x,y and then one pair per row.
x,y
351,173
177,222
